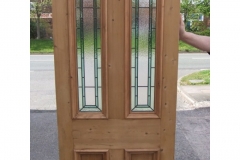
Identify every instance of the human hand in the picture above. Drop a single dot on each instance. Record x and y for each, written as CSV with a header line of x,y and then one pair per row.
x,y
197,41
182,31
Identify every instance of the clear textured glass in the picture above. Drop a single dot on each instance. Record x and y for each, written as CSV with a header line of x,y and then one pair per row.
x,y
90,98
143,55
142,95
87,3
143,3
88,30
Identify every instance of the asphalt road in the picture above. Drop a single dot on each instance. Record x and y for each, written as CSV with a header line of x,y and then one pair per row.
x,y
192,127
191,62
42,82
187,61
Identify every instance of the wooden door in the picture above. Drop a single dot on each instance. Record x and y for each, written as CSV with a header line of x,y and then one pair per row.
x,y
116,77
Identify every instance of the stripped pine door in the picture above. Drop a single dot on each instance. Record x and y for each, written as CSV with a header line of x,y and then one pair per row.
x,y
116,76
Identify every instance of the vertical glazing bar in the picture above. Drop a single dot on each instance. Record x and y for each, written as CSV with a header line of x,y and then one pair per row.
x,y
149,52
136,49
82,55
95,51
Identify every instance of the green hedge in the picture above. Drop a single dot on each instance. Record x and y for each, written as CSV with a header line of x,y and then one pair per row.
x,y
45,29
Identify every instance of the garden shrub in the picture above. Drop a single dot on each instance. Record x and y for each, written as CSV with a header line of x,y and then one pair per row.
x,y
45,29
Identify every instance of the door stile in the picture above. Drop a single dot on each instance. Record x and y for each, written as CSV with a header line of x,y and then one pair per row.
x,y
169,73
62,80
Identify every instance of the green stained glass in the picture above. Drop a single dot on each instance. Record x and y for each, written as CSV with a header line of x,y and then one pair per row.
x,y
88,29
143,55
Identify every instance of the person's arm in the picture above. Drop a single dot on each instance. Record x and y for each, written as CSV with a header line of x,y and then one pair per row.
x,y
198,41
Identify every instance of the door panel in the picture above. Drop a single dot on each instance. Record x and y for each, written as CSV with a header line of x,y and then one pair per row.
x,y
115,134
91,155
96,115
140,154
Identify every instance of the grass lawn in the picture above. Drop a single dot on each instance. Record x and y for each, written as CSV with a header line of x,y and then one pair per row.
x,y
183,47
41,46
201,75
46,46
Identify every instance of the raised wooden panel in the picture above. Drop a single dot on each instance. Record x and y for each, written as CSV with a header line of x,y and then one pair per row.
x,y
144,156
91,155
140,154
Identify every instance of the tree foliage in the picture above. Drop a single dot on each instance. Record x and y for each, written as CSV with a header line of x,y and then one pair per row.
x,y
36,9
204,7
192,10
188,8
